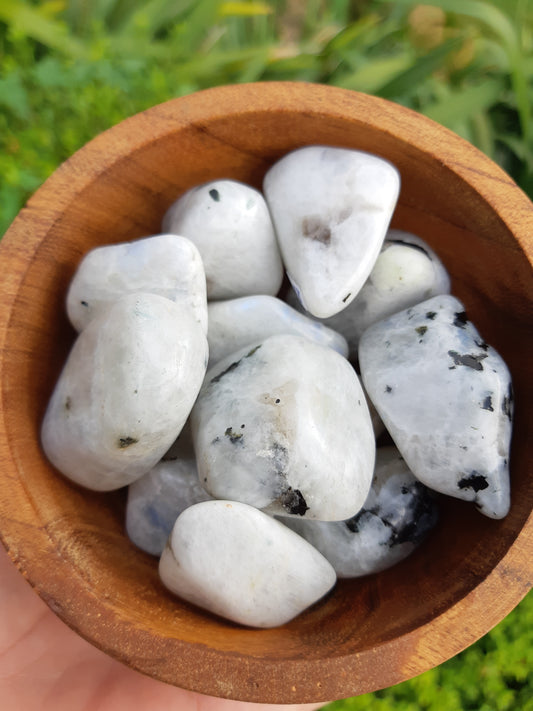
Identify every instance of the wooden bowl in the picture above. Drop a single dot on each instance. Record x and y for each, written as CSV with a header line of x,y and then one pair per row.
x,y
70,543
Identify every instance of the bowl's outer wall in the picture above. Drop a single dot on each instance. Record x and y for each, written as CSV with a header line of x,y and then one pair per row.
x,y
70,543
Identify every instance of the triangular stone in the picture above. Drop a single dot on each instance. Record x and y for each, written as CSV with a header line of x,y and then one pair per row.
x,y
331,208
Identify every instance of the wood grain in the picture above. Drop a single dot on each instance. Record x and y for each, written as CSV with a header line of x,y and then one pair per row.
x,y
70,543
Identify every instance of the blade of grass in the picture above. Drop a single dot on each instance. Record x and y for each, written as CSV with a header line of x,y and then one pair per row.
x,y
80,14
465,102
403,84
201,17
522,151
374,74
215,62
154,15
32,23
483,134
501,25
354,31
244,9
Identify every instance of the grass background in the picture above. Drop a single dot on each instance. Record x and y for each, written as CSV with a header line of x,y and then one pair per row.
x,y
71,68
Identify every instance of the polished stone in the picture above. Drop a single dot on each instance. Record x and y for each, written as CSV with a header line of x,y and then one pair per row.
x,y
125,392
168,265
407,271
331,208
445,397
237,562
236,323
157,498
283,425
396,517
230,224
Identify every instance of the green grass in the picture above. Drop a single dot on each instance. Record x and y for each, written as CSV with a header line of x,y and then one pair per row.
x,y
71,68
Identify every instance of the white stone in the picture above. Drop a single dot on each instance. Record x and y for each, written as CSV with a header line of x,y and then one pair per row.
x,y
396,517
168,265
283,425
236,323
445,397
157,498
331,208
125,391
406,272
230,224
237,562
377,422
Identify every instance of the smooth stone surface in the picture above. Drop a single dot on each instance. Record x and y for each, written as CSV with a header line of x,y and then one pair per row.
x,y
230,224
377,422
168,265
407,271
445,396
125,391
238,562
284,426
396,517
157,498
236,323
331,208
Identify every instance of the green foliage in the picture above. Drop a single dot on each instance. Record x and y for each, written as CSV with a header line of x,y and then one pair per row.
x,y
495,674
71,68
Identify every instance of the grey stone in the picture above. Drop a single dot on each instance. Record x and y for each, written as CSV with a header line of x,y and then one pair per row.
x,y
396,517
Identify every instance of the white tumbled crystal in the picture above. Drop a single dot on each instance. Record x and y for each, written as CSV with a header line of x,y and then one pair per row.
x,y
167,265
396,517
377,422
159,496
331,208
236,323
445,397
230,224
407,271
125,391
237,562
283,425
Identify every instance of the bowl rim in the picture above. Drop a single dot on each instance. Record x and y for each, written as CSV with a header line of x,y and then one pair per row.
x,y
18,246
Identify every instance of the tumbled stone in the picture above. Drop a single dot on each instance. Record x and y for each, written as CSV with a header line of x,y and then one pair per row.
x,y
377,422
396,517
331,208
230,224
236,323
157,498
125,391
168,265
407,271
283,425
445,396
237,562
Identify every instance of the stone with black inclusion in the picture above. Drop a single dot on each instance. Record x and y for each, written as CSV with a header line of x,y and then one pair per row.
x,y
443,395
396,517
407,271
283,425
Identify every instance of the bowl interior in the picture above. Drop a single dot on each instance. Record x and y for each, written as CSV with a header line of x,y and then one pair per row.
x,y
369,633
